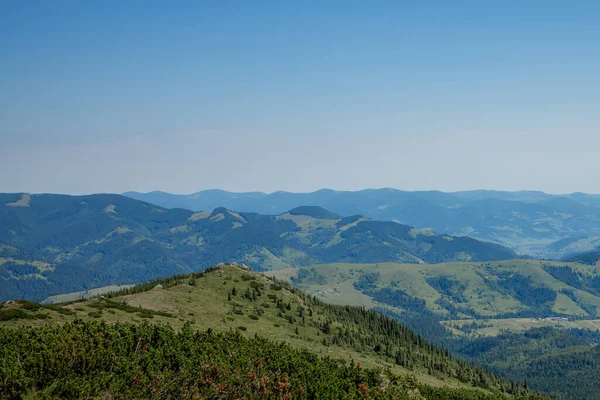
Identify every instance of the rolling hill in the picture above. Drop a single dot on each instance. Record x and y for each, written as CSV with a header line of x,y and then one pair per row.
x,y
459,291
53,244
531,223
328,351
521,318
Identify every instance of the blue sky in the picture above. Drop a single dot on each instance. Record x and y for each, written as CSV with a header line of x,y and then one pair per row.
x,y
181,96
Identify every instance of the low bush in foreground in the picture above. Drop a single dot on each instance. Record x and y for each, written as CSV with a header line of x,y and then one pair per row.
x,y
128,361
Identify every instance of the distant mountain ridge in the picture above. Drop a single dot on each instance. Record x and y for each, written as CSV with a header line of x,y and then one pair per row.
x,y
52,244
530,222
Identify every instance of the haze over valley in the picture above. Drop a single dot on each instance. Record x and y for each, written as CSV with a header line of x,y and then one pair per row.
x,y
283,200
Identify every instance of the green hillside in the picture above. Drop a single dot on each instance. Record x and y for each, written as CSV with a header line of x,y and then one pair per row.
x,y
521,318
69,351
459,291
54,244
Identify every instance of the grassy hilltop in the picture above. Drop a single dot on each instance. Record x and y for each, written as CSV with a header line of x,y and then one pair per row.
x,y
233,299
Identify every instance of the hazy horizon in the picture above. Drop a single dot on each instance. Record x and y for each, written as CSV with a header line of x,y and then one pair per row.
x,y
300,192
246,96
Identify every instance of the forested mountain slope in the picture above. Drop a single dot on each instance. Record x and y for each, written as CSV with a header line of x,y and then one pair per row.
x,y
530,319
588,257
564,362
532,223
365,352
51,244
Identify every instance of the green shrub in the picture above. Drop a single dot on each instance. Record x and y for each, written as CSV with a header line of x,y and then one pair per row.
x,y
60,310
129,361
95,314
29,305
14,313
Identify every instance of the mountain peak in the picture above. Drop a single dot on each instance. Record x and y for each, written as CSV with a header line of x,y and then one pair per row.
x,y
314,212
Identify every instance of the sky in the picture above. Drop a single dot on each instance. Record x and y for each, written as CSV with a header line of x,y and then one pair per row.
x,y
182,96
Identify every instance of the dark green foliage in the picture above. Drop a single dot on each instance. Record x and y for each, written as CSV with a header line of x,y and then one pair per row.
x,y
588,308
95,314
538,298
309,275
22,309
363,329
60,310
449,287
574,278
28,305
367,281
101,304
589,258
397,298
423,323
125,361
557,361
14,313
473,326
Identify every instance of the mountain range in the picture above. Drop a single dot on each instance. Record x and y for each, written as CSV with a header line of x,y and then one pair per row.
x,y
530,222
53,244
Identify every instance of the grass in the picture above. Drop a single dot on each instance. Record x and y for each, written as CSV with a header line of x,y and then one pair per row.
x,y
334,283
339,288
74,296
208,303
40,265
519,324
